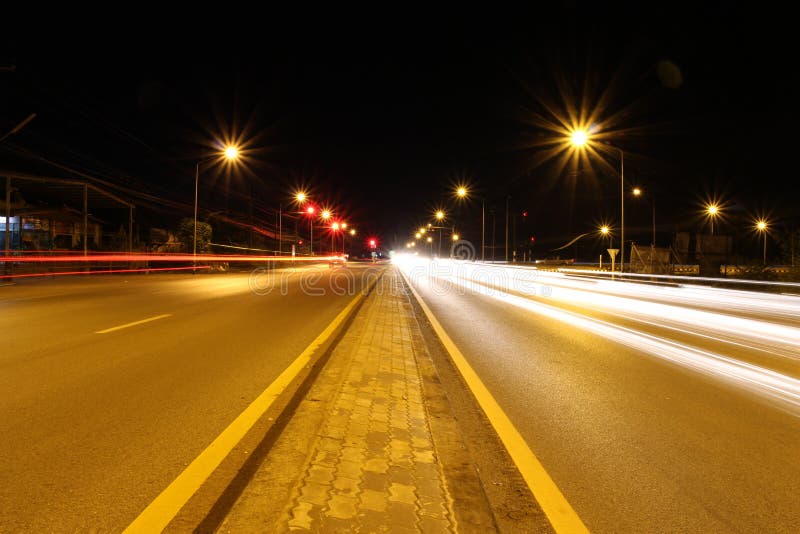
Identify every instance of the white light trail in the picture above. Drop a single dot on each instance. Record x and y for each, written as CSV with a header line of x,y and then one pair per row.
x,y
742,334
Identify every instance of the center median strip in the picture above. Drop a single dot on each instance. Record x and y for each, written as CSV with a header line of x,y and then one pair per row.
x,y
166,506
559,512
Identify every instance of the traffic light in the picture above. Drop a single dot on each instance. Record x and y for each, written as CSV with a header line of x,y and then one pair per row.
x,y
525,214
533,239
372,243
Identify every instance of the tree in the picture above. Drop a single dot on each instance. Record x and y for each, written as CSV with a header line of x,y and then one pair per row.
x,y
186,234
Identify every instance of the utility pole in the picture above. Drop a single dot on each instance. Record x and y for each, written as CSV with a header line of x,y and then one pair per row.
x,y
7,266
494,234
507,199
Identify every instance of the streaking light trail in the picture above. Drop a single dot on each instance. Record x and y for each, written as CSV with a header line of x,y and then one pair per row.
x,y
163,257
761,355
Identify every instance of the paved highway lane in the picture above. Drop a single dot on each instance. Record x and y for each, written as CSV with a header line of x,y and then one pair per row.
x,y
647,419
110,386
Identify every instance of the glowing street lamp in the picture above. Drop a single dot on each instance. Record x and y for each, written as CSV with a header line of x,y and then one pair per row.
x,y
462,192
230,153
418,235
579,139
639,192
310,211
712,210
326,214
605,231
439,215
352,231
423,230
334,228
762,226
456,237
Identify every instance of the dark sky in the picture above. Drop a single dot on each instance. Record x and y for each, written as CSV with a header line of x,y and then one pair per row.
x,y
381,113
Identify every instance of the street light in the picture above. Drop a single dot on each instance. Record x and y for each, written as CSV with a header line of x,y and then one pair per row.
x,y
439,217
300,198
310,211
352,233
325,215
455,237
579,139
712,210
231,153
638,192
334,228
463,192
605,231
762,226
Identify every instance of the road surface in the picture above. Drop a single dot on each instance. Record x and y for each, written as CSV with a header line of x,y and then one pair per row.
x,y
654,408
111,385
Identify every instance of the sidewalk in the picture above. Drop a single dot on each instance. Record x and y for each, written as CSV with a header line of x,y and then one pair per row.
x,y
357,454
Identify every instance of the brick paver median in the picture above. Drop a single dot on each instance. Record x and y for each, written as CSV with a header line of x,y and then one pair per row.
x,y
372,466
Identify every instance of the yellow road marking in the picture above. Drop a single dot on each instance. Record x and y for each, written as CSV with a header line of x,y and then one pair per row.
x,y
166,506
120,327
555,506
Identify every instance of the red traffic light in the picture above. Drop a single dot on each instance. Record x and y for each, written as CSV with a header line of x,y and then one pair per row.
x,y
533,239
310,210
525,213
300,242
372,243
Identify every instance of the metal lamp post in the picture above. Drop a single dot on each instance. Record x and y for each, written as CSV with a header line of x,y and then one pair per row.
x,y
463,192
761,226
579,139
231,153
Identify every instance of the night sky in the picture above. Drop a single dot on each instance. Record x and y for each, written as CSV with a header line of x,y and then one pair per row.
x,y
383,113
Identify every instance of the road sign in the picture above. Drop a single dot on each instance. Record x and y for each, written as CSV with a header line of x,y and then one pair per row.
x,y
613,253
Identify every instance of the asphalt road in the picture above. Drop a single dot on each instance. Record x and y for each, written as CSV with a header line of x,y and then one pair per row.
x,y
653,408
97,420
